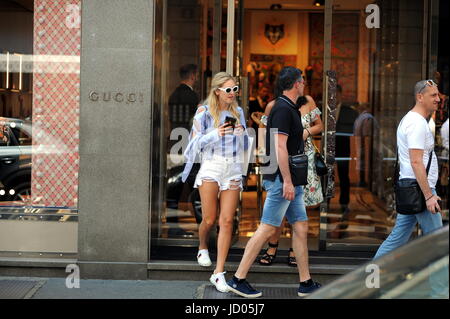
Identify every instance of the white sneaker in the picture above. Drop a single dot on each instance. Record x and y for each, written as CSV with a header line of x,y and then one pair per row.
x,y
203,258
219,281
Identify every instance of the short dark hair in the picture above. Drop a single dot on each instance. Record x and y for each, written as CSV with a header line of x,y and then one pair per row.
x,y
287,78
186,70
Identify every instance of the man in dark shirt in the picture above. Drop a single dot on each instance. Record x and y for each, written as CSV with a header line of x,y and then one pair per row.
x,y
345,119
183,101
283,198
183,104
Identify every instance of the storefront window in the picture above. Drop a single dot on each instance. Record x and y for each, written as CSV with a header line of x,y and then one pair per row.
x,y
377,68
39,111
378,56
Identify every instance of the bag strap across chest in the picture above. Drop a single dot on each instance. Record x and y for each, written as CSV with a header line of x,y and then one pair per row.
x,y
299,147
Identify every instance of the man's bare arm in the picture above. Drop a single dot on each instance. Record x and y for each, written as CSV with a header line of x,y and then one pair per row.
x,y
416,157
283,164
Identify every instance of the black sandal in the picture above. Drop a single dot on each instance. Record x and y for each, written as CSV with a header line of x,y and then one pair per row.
x,y
268,259
291,259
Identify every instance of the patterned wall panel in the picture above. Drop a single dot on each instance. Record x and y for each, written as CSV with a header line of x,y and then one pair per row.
x,y
56,87
344,52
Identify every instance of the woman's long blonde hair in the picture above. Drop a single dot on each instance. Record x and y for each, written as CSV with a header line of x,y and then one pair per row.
x,y
213,100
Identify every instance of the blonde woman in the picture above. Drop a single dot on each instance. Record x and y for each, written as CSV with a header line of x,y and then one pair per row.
x,y
218,141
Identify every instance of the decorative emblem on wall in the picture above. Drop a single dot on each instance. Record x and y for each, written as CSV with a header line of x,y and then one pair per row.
x,y
274,33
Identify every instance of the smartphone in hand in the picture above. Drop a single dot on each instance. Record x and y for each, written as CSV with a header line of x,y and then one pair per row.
x,y
231,121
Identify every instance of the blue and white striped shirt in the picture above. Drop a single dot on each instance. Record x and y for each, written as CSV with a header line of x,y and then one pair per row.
x,y
205,142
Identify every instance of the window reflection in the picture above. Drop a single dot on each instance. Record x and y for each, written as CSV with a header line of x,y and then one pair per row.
x,y
376,69
39,113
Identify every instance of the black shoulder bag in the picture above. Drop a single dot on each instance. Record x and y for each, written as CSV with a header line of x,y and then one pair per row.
x,y
409,199
319,162
298,166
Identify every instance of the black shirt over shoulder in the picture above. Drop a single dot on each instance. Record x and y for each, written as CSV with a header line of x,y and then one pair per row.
x,y
183,103
346,120
344,125
286,119
183,95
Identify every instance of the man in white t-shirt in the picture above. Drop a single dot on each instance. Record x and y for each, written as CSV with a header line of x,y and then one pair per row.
x,y
415,143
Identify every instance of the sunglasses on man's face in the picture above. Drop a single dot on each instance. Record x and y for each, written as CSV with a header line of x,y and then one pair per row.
x,y
427,83
230,89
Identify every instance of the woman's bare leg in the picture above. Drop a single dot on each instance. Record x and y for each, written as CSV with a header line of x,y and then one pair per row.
x,y
228,204
209,191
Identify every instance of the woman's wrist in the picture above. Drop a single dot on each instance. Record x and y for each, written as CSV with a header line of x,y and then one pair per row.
x,y
309,133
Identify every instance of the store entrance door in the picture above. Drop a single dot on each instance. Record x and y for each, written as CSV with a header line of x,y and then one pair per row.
x,y
194,39
274,36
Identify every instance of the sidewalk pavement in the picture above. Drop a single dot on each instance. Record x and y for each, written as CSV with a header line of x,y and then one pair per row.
x,y
174,297
55,288
60,288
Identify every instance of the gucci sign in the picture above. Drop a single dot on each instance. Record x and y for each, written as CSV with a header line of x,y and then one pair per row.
x,y
119,97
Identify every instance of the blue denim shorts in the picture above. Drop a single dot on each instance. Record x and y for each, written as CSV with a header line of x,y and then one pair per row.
x,y
276,206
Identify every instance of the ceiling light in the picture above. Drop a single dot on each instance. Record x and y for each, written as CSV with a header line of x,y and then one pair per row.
x,y
319,3
276,6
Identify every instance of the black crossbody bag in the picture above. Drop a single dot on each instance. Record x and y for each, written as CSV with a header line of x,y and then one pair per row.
x,y
409,199
298,165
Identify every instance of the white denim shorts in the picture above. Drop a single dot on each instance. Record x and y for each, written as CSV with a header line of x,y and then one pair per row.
x,y
226,172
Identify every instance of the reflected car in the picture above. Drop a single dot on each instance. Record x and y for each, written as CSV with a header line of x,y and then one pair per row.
x,y
15,160
16,151
417,270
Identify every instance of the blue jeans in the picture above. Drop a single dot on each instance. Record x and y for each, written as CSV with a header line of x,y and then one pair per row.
x,y
276,206
404,226
401,233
